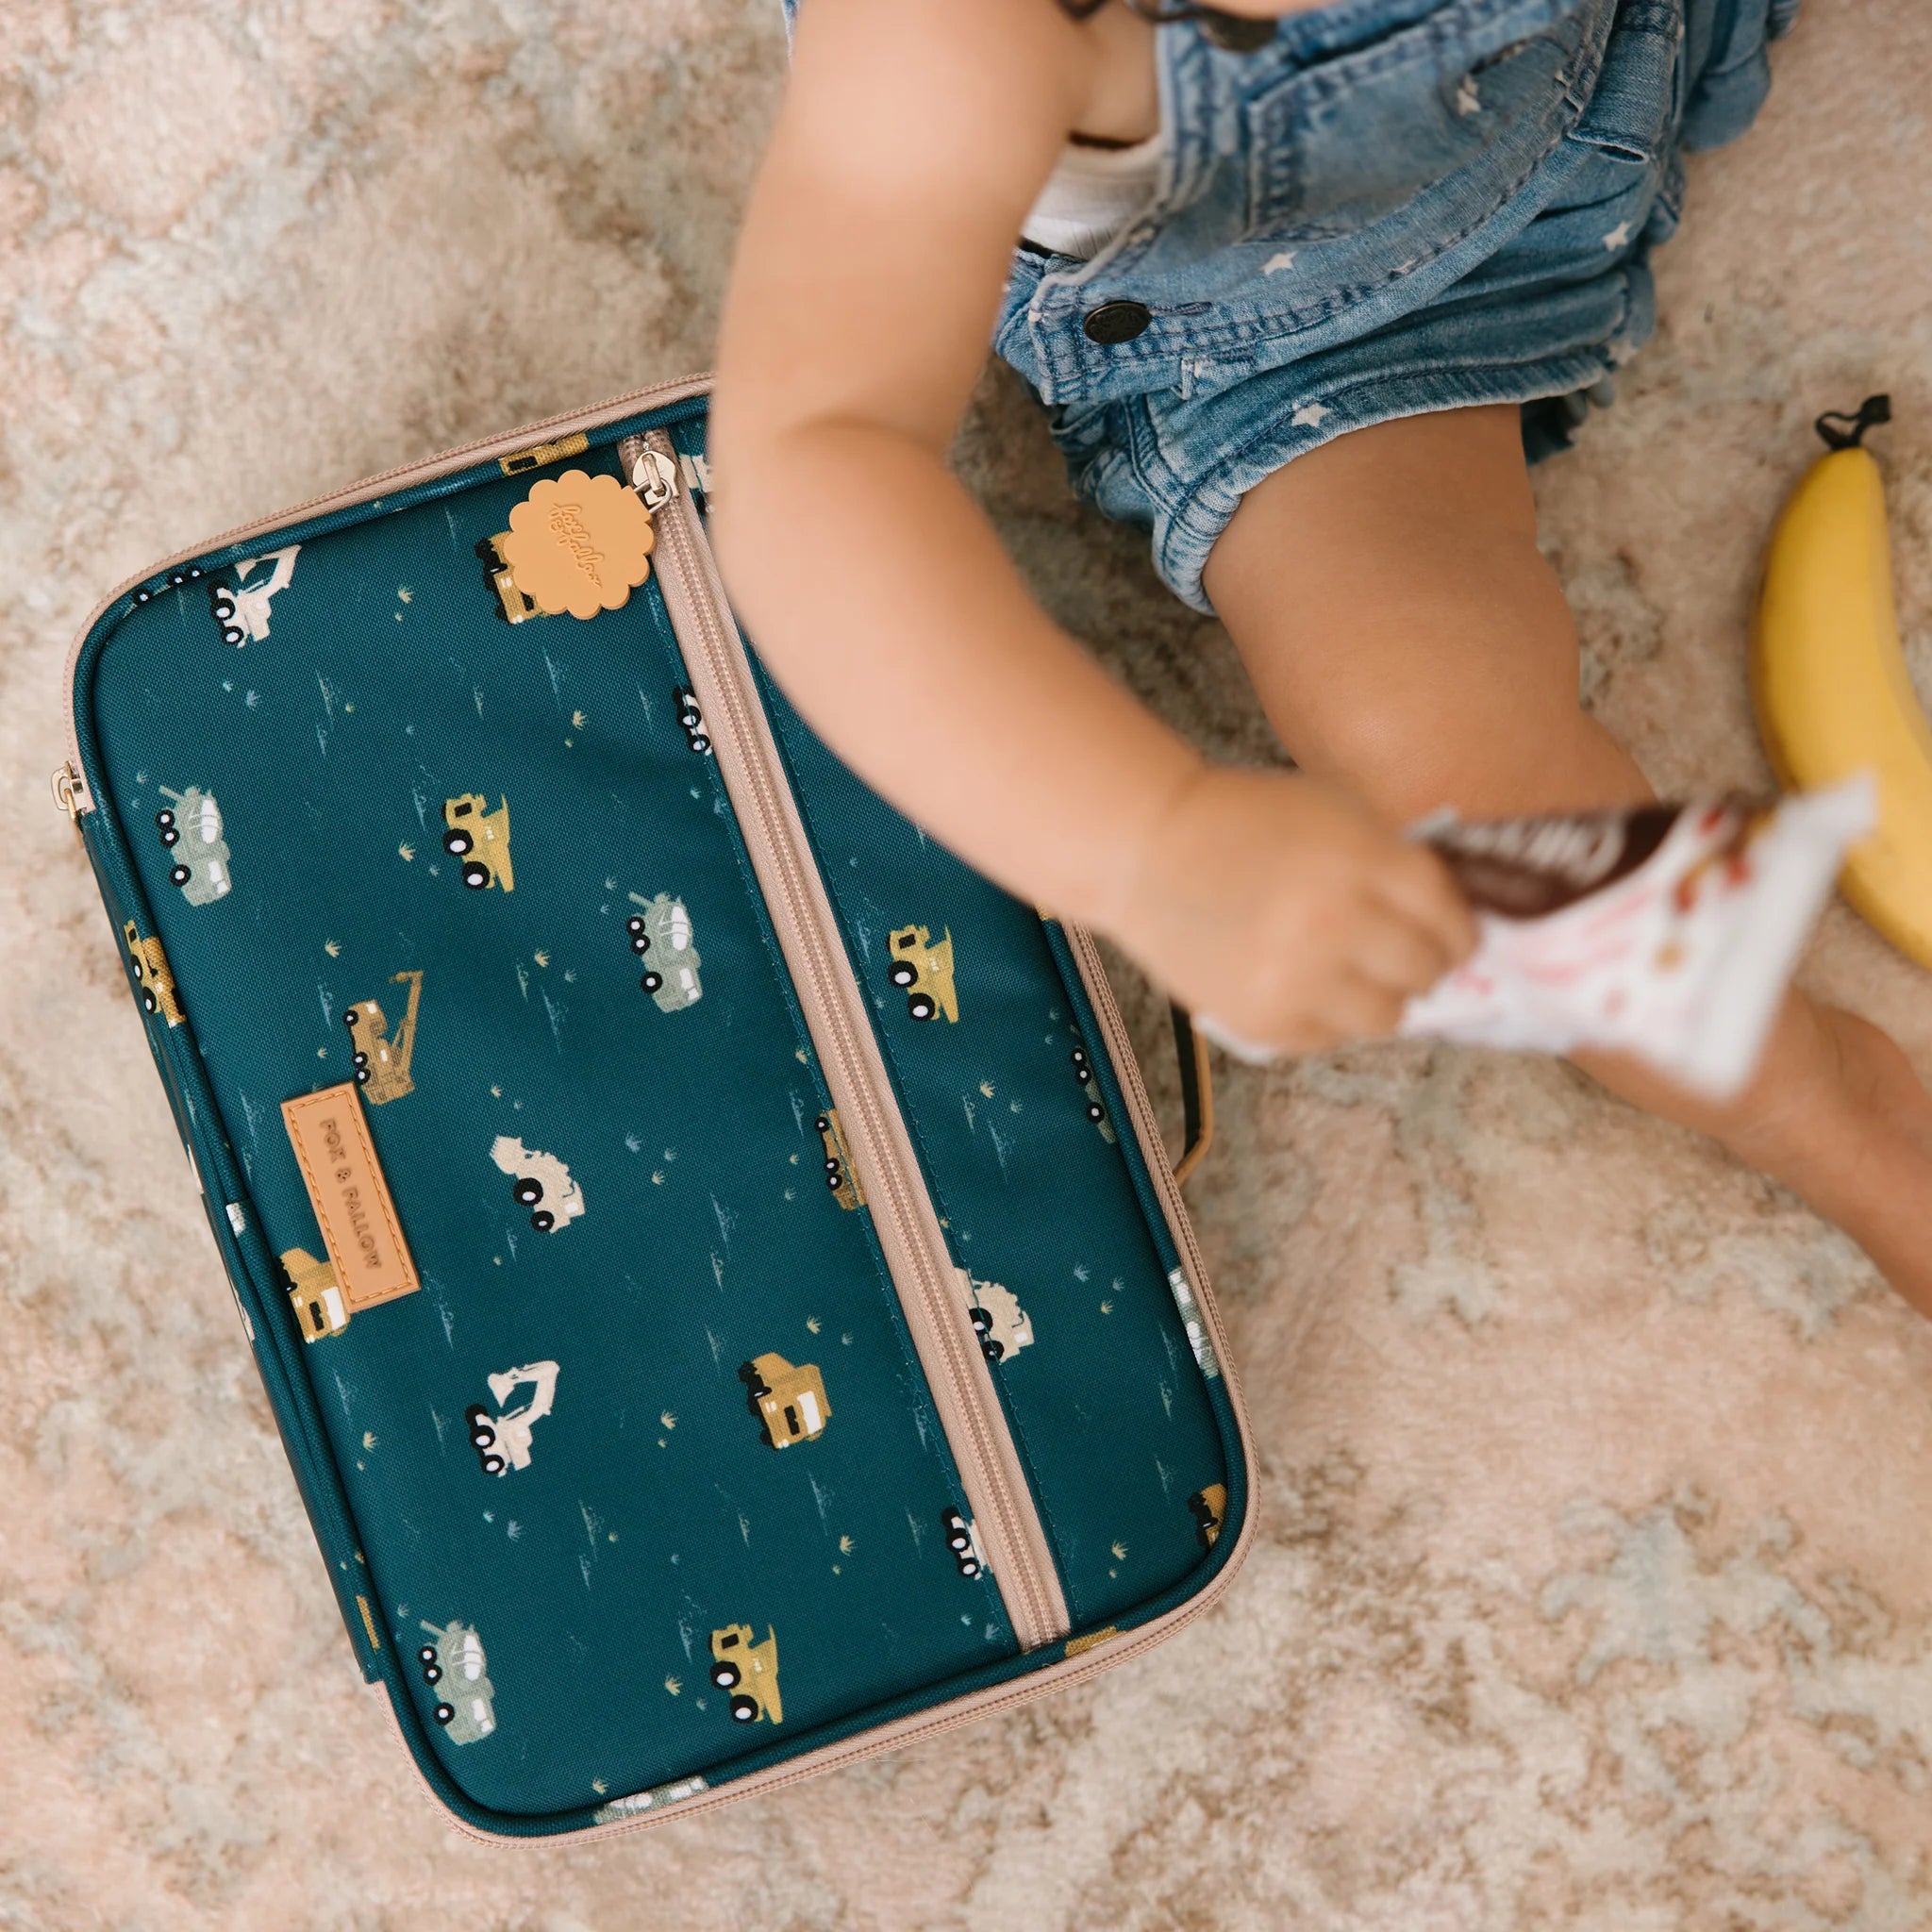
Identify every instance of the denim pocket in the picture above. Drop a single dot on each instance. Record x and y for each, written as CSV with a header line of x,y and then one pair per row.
x,y
1630,125
1341,144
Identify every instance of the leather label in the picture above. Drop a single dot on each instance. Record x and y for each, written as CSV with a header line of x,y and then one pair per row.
x,y
579,543
352,1207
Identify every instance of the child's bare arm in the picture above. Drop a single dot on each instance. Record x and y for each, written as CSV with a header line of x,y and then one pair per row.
x,y
914,137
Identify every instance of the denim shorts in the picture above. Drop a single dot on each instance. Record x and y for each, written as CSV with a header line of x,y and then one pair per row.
x,y
1397,207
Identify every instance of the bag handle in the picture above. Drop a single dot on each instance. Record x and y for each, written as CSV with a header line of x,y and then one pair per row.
x,y
1197,1093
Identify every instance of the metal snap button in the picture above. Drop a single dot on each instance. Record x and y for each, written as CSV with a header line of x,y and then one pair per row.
x,y
1117,321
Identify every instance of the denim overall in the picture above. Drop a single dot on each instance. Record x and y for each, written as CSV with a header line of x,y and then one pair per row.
x,y
1393,207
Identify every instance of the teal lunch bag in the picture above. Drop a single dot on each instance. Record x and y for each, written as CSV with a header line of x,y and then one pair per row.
x,y
709,1252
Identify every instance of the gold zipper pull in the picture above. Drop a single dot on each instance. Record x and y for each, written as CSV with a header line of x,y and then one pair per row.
x,y
70,793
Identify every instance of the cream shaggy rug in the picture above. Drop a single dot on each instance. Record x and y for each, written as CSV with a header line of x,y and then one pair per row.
x,y
1595,1584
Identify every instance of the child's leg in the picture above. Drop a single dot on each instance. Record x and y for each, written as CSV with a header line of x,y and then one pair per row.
x,y
1408,639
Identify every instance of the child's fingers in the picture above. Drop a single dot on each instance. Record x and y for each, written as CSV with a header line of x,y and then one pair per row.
x,y
1358,1008
1400,955
1416,882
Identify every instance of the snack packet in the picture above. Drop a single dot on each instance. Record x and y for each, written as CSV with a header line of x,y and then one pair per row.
x,y
1666,931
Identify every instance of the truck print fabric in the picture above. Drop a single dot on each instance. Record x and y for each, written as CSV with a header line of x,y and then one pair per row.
x,y
704,1415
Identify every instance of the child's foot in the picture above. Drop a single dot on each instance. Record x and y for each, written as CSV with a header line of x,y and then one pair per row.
x,y
1861,1154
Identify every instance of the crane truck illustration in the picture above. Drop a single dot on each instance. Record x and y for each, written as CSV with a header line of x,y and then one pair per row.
x,y
241,609
998,1320
838,1157
749,1671
382,1064
191,829
543,1183
1208,1508
790,1403
501,1441
924,971
151,973
320,1309
456,1669
1097,1107
660,935
479,839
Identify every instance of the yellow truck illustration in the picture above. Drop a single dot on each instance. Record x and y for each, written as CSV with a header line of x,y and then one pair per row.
x,y
1097,1107
480,839
749,1671
660,935
454,1667
158,994
382,1064
502,1443
511,601
543,1183
838,1174
241,609
998,1319
1210,1507
790,1403
320,1309
191,829
963,1540
924,971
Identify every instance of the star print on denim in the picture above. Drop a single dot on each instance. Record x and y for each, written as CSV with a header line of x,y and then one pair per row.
x,y
1618,238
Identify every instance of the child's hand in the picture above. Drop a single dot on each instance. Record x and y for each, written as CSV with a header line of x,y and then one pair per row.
x,y
1283,912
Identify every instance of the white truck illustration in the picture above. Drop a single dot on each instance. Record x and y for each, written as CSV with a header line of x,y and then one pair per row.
x,y
241,612
649,1801
1097,1107
998,1319
963,1540
543,1183
501,1441
454,1667
191,829
660,935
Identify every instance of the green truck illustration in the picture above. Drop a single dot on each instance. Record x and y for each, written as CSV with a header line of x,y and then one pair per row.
x,y
924,971
749,1671
543,1183
998,1319
480,837
382,1064
241,609
660,935
790,1403
1208,1508
1097,1107
320,1309
191,829
502,1443
157,990
838,1158
454,1667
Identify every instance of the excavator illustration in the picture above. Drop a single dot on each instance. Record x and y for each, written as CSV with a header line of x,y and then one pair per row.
x,y
241,610
1209,1507
1002,1325
749,1671
501,1441
454,1667
157,991
924,971
790,1403
191,829
480,839
320,1309
382,1064
838,1174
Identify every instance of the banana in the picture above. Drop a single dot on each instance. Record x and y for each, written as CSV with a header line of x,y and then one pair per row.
x,y
1828,677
